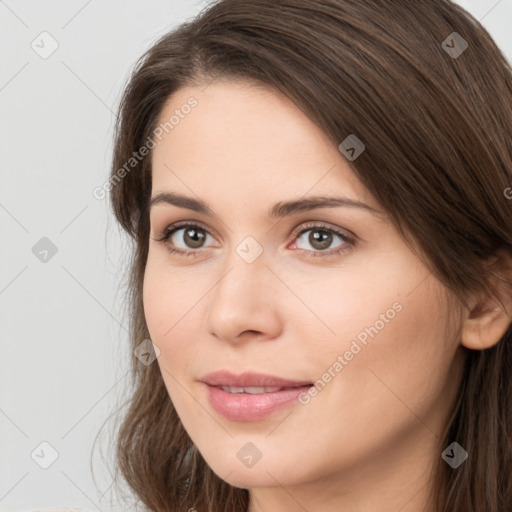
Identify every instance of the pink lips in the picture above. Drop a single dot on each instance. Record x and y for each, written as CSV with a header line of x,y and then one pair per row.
x,y
249,379
246,406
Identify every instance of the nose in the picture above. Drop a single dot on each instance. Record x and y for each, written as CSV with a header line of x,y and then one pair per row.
x,y
244,303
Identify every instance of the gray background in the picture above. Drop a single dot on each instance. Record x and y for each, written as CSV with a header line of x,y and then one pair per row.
x,y
63,332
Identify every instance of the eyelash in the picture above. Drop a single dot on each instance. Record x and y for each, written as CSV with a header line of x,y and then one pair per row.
x,y
170,230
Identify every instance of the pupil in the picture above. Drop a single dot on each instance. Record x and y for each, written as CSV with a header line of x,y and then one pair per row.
x,y
196,240
320,239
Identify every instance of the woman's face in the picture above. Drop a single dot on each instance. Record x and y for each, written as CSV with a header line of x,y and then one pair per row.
x,y
356,313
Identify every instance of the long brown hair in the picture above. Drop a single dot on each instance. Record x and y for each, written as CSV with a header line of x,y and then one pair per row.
x,y
434,110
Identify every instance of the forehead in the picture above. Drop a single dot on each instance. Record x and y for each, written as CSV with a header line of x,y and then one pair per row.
x,y
248,141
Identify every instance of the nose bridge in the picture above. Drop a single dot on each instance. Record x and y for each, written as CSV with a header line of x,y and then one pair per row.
x,y
243,297
245,268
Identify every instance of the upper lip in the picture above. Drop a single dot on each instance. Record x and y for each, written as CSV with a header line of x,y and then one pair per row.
x,y
250,379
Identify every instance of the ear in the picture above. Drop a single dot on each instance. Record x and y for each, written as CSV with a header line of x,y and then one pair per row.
x,y
486,320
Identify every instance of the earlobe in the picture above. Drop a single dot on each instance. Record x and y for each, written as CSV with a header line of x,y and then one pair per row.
x,y
485,325
486,319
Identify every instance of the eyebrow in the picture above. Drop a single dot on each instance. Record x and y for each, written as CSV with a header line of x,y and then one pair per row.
x,y
278,210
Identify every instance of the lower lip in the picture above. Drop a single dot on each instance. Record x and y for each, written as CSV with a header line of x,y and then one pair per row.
x,y
248,407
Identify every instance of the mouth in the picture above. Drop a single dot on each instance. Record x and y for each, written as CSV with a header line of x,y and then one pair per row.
x,y
250,382
254,390
251,397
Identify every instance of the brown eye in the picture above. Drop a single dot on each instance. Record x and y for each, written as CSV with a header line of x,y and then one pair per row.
x,y
321,239
193,237
184,239
191,240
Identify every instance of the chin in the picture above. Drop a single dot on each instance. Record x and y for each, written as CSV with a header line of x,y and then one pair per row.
x,y
248,480
260,475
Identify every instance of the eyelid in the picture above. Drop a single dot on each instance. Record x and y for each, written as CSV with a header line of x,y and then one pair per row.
x,y
305,226
175,226
349,240
302,226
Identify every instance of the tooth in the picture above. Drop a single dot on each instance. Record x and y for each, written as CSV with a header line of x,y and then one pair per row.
x,y
233,389
254,390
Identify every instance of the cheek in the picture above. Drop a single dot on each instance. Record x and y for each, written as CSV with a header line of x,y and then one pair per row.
x,y
377,337
168,293
174,327
171,300
342,306
396,362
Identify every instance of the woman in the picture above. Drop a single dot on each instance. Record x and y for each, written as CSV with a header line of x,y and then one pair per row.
x,y
319,199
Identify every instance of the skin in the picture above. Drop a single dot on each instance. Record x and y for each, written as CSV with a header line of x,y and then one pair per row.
x,y
369,438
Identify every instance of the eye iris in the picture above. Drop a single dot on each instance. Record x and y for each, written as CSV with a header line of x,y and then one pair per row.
x,y
322,238
195,235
